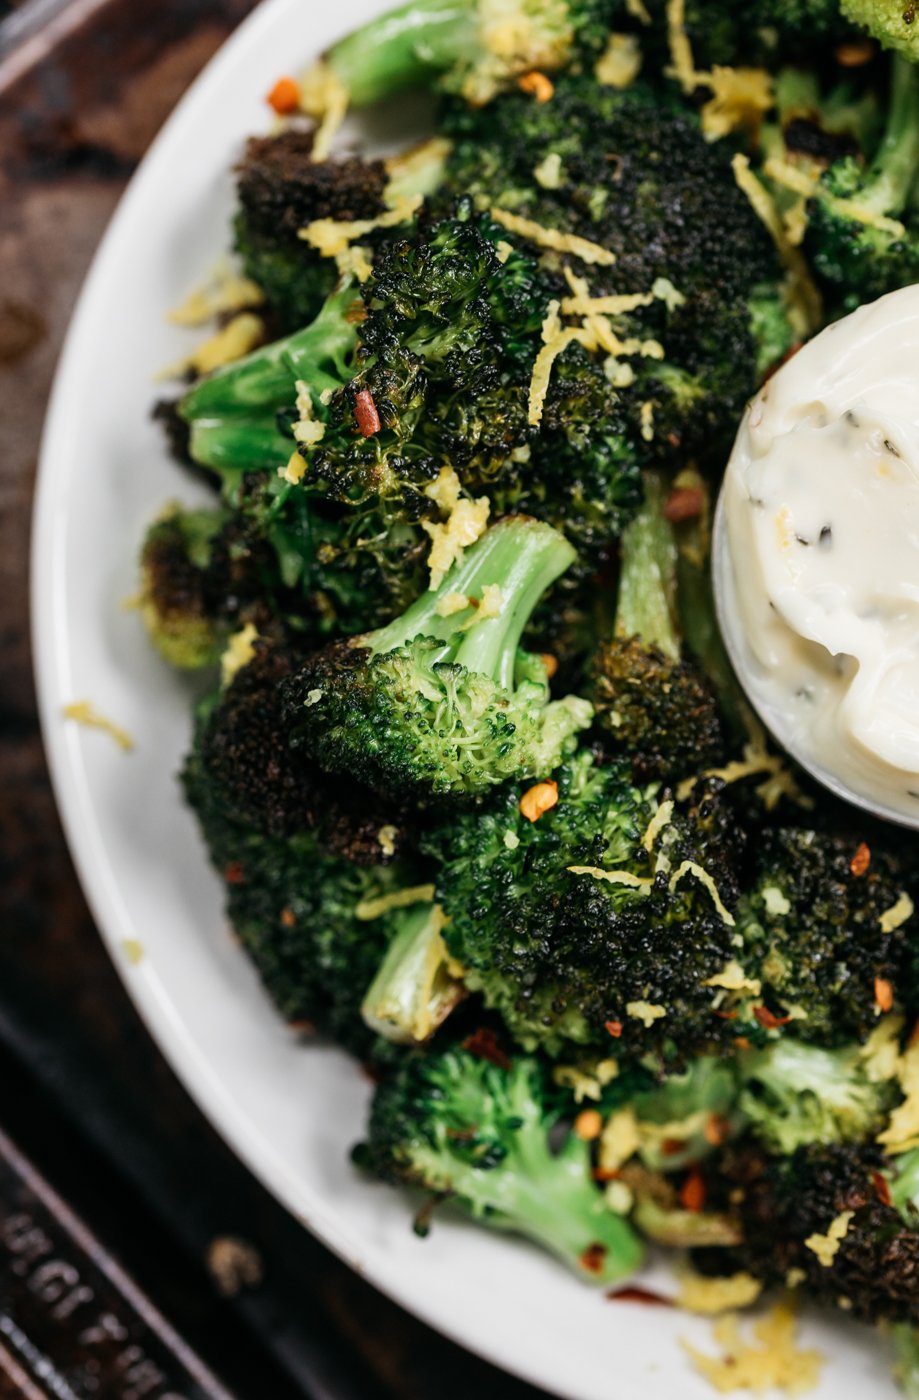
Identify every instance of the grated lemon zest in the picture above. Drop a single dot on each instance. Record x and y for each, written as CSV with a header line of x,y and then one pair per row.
x,y
896,916
662,817
826,1247
613,877
619,1140
584,1083
776,1362
646,1012
620,63
805,296
554,239
330,237
85,713
238,652
324,97
369,909
711,1296
224,292
231,342
902,1131
733,979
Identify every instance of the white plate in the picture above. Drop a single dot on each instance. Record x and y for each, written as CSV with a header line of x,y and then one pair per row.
x,y
291,1111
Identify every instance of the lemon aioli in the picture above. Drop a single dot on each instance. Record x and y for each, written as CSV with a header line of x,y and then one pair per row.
x,y
818,582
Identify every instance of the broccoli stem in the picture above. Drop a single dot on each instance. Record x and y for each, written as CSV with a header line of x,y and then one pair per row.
x,y
523,557
404,48
896,162
238,444
647,583
413,993
906,1346
318,355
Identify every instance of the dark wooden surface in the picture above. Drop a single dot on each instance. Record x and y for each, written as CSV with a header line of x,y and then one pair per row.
x,y
82,1088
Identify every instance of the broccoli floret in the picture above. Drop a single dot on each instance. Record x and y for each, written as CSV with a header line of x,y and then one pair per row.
x,y
294,909
478,1134
633,172
686,1117
652,704
786,1207
906,1370
464,46
262,783
281,189
442,703
860,237
176,598
824,936
894,22
796,1094
589,924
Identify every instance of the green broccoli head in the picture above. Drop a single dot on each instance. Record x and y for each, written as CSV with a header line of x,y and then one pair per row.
x,y
651,703
894,23
177,601
601,921
281,189
796,1094
826,929
477,1133
442,703
861,236
841,1219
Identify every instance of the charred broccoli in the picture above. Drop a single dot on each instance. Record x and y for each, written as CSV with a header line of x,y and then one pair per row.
x,y
826,928
477,1134
893,22
652,704
841,1220
601,918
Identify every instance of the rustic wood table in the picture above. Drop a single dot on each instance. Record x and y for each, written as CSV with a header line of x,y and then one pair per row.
x,y
138,1258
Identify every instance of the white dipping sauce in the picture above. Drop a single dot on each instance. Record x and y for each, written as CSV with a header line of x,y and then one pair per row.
x,y
820,511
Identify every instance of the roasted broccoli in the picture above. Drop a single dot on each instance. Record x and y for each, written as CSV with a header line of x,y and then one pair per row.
x,y
651,703
894,22
826,928
861,234
599,919
840,1220
442,702
478,1134
466,46
632,172
176,602
281,189
796,1094
261,782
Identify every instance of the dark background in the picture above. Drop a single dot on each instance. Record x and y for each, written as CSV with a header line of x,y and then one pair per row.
x,y
82,1088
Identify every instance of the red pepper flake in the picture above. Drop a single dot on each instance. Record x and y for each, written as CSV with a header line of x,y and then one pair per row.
x,y
302,1027
882,1187
883,993
685,503
634,1294
593,1258
741,1042
717,1130
365,413
692,1192
671,1147
726,1015
537,85
861,51
606,1173
284,97
859,863
768,1020
483,1043
913,1036
288,918
233,872
613,1028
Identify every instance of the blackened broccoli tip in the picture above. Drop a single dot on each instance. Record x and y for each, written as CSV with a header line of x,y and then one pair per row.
x,y
478,1134
442,703
796,1094
241,747
602,921
176,602
859,236
652,703
281,189
464,48
827,1217
826,929
894,23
